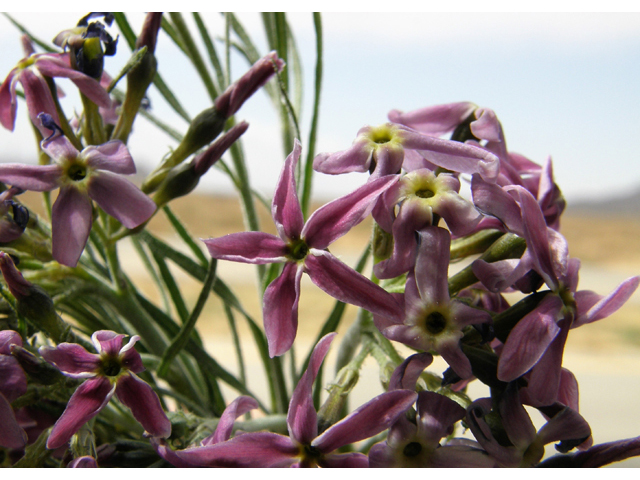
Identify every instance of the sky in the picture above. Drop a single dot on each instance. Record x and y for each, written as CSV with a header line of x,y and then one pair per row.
x,y
563,85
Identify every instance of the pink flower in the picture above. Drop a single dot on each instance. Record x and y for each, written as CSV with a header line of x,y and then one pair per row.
x,y
13,384
112,370
32,72
82,176
302,247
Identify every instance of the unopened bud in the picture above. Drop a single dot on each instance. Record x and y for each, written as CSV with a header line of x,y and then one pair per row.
x,y
40,371
260,72
35,305
149,34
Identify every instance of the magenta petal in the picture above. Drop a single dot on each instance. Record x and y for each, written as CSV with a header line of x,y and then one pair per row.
x,y
8,104
564,425
108,341
453,355
83,462
113,156
13,381
144,404
345,460
37,178
516,420
336,218
11,435
248,247
38,97
492,200
72,359
302,417
436,416
529,339
280,309
120,198
71,224
406,375
487,126
8,338
347,285
85,403
237,408
370,419
285,207
253,450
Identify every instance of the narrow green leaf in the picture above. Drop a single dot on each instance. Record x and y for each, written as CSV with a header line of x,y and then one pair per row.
x,y
44,45
188,326
146,261
172,288
182,232
313,133
211,50
173,34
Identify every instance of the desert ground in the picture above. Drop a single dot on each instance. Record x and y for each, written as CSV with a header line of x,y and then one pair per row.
x,y
604,356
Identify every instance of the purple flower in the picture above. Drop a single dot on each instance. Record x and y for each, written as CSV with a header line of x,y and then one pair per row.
x,y
13,384
433,321
91,174
381,150
32,73
523,446
598,455
302,247
304,447
417,197
83,462
112,370
417,444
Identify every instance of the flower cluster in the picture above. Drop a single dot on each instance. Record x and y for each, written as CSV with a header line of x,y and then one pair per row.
x,y
94,373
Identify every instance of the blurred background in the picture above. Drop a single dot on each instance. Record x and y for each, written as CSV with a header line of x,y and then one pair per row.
x,y
564,85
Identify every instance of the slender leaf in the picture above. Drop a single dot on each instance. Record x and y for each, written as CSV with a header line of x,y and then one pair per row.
x,y
188,239
44,45
211,50
172,287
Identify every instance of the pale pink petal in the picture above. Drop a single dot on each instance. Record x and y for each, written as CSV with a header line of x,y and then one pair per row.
x,y
59,148
487,126
280,309
83,462
432,265
285,207
113,156
144,404
336,218
302,418
529,339
436,416
370,419
71,224
120,198
356,159
108,342
349,286
593,307
248,247
37,178
72,359
84,404
434,120
38,97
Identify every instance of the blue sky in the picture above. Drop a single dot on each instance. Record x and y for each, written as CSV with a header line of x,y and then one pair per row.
x,y
564,85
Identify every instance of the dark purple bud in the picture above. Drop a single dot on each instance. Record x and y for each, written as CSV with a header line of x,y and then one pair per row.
x,y
233,97
38,370
205,161
149,34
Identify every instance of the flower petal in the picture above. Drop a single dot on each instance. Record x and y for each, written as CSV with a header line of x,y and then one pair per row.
x,y
83,462
71,224
285,207
436,416
13,381
8,338
38,97
280,309
84,404
355,159
72,359
8,104
60,149
253,450
432,265
302,418
435,120
529,339
347,285
113,156
11,435
237,408
370,419
144,404
345,460
336,218
248,247
37,178
120,198
593,307
406,375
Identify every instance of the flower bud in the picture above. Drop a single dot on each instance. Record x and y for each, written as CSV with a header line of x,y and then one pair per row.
x,y
35,305
38,370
